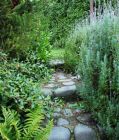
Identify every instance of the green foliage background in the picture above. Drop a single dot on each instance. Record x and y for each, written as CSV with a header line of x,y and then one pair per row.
x,y
63,15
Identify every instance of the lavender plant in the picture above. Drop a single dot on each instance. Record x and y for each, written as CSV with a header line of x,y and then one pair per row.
x,y
96,43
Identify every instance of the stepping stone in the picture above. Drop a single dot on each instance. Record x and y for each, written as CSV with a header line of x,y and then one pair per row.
x,y
67,113
65,80
47,92
56,63
83,132
50,85
62,122
78,77
61,77
56,115
65,91
52,81
77,112
60,133
58,110
70,83
84,118
74,77
53,78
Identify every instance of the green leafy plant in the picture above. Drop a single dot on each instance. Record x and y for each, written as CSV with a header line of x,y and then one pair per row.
x,y
63,14
22,30
93,48
11,128
20,84
99,67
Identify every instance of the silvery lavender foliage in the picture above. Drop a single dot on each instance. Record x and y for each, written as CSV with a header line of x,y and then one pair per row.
x,y
98,42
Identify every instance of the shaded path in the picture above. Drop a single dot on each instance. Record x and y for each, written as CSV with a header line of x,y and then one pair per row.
x,y
69,123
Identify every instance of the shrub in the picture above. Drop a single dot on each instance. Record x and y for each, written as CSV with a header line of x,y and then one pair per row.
x,y
73,44
99,68
20,84
78,35
22,30
95,47
62,16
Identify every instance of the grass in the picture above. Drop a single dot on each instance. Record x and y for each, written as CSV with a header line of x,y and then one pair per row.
x,y
57,53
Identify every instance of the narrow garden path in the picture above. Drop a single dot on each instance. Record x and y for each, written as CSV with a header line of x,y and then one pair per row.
x,y
70,123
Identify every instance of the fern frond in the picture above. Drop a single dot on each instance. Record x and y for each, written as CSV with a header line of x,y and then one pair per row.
x,y
3,132
10,127
44,133
33,121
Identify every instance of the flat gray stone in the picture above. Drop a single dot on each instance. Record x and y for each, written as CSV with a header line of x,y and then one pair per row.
x,y
64,80
85,117
60,133
53,78
52,81
74,77
67,113
56,115
50,85
83,132
69,83
47,92
65,91
78,77
77,112
56,62
62,122
57,110
61,77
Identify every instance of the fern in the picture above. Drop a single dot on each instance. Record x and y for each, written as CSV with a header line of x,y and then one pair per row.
x,y
33,121
44,133
12,129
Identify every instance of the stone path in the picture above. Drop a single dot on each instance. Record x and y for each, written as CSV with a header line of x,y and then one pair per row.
x,y
69,123
60,85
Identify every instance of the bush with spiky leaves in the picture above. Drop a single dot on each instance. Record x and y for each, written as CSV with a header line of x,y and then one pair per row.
x,y
11,127
97,44
99,68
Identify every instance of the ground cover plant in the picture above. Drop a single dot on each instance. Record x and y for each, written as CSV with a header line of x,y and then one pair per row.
x,y
97,48
24,51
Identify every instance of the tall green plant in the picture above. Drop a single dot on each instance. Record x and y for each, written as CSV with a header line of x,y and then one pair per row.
x,y
99,67
94,45
12,129
23,30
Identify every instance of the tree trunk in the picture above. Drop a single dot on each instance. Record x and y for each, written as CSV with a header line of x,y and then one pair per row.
x,y
91,9
15,3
